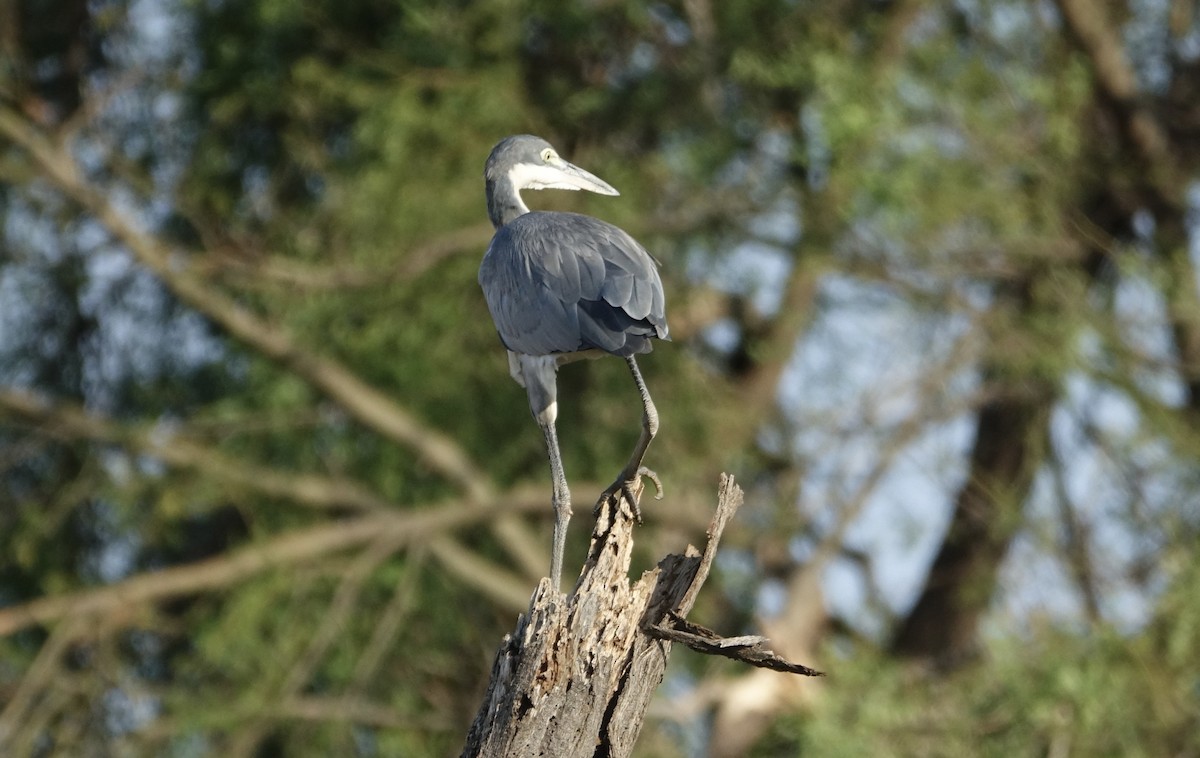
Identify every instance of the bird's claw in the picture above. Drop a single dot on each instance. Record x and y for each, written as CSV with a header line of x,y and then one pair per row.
x,y
658,488
625,486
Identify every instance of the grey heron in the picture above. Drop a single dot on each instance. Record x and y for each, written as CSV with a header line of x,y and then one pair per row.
x,y
562,286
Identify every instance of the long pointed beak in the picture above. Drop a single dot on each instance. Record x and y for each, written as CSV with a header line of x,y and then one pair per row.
x,y
573,177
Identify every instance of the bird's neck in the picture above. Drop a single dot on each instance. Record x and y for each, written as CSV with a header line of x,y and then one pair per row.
x,y
504,201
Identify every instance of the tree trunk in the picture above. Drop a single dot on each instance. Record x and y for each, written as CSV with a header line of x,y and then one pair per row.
x,y
576,675
1008,448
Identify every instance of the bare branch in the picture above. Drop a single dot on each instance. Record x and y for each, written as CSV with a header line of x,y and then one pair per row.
x,y
1077,553
46,667
368,405
345,601
389,622
749,649
288,549
282,272
1087,21
356,711
503,587
68,422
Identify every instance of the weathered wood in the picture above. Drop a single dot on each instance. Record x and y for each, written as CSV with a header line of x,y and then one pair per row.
x,y
576,675
750,649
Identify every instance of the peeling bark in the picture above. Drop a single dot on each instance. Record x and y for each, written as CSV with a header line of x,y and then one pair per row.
x,y
576,675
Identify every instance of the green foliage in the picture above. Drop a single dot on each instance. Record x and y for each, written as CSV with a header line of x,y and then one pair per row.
x,y
320,171
1056,692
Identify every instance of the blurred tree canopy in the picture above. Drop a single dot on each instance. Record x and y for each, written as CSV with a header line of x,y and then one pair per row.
x,y
266,487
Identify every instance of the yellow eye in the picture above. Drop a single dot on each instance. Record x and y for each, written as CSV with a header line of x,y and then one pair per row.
x,y
547,155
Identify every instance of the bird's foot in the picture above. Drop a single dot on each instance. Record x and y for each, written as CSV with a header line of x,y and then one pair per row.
x,y
625,485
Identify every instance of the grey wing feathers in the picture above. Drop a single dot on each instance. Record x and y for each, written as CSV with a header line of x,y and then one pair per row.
x,y
563,282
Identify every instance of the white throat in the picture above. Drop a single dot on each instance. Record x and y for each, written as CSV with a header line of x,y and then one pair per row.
x,y
530,176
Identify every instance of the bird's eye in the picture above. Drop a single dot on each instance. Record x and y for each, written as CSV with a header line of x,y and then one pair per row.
x,y
547,155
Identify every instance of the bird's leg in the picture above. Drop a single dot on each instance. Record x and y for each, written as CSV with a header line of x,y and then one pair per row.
x,y
537,374
561,499
634,469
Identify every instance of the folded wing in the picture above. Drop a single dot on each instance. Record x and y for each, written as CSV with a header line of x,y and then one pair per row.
x,y
564,282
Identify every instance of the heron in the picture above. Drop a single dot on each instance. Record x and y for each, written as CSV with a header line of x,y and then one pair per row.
x,y
565,286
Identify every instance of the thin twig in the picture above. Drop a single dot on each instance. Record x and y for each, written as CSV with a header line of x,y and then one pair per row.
x,y
389,622
345,600
41,673
748,649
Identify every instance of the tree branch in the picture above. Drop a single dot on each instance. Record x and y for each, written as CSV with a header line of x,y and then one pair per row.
x,y
1086,21
749,649
1167,174
368,405
238,565
274,270
503,587
353,710
67,422
46,667
345,600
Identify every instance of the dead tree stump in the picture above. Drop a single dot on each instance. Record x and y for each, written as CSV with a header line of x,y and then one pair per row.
x,y
576,675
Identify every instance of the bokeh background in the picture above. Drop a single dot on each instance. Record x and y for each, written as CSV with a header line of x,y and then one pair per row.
x,y
266,488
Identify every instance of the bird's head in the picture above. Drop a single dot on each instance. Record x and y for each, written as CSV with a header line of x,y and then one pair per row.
x,y
529,162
